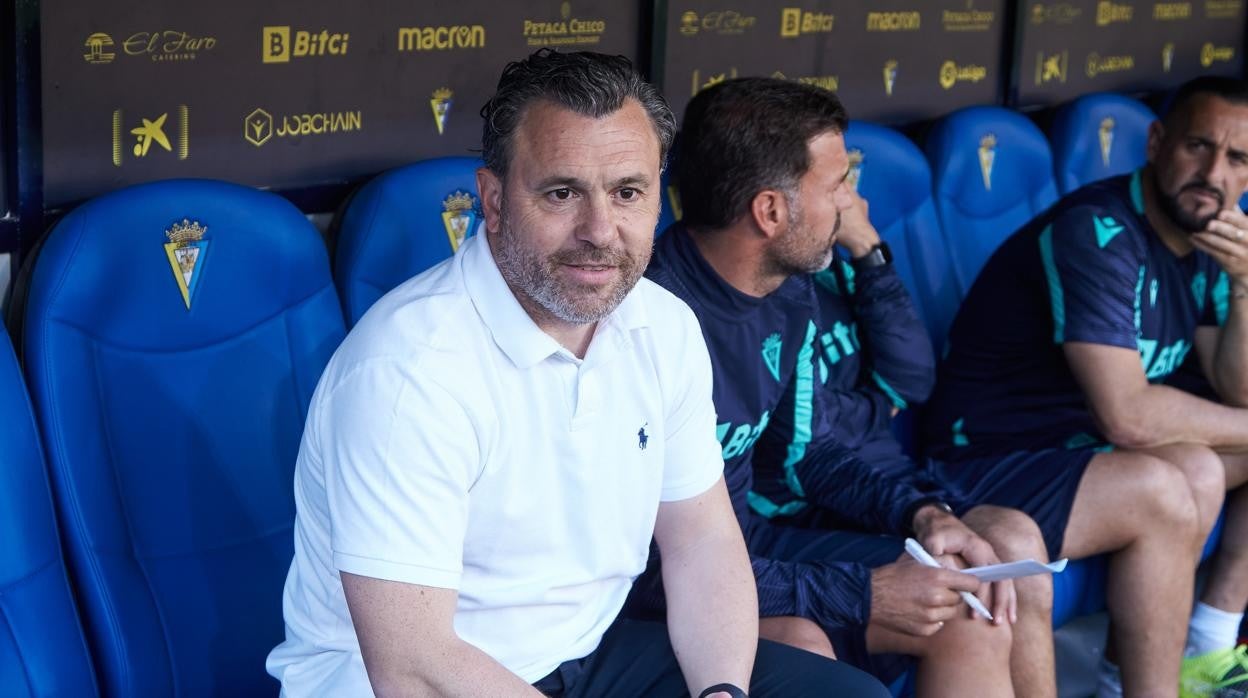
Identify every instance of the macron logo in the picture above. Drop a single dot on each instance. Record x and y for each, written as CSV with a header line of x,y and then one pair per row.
x,y
1106,229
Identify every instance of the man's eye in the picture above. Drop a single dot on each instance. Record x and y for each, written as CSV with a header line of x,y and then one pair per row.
x,y
562,194
628,193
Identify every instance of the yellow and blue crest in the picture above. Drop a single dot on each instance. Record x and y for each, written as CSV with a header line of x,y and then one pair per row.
x,y
187,251
856,157
441,103
987,158
459,216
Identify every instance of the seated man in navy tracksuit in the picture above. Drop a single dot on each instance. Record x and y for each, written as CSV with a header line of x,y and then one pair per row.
x,y
763,169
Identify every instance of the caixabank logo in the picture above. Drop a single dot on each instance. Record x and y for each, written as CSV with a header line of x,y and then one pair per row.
x,y
282,44
168,132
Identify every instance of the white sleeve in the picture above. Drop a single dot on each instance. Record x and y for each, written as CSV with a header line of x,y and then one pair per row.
x,y
693,460
400,455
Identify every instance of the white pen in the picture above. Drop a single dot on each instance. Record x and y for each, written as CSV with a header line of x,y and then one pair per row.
x,y
918,553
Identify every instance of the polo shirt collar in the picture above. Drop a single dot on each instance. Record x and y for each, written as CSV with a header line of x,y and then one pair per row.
x,y
513,330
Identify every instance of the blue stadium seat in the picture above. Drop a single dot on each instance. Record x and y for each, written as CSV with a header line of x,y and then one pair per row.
x,y
1097,136
889,171
174,335
42,650
402,223
670,211
1080,590
992,172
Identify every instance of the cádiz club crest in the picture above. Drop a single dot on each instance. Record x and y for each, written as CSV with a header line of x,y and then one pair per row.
x,y
459,215
187,249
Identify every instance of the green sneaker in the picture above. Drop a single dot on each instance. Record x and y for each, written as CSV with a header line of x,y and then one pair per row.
x,y
1217,674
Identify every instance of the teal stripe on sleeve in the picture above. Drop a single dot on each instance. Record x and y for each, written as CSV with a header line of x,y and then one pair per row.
x,y
1137,192
1139,301
768,509
898,401
803,409
1056,299
1221,297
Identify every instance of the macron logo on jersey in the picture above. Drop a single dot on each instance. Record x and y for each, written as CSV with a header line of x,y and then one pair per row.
x,y
1106,229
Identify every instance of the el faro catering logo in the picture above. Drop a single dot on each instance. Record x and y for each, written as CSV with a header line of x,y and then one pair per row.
x,y
568,30
1055,13
152,132
280,44
722,22
795,22
159,46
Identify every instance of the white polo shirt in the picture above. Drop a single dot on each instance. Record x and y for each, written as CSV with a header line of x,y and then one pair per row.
x,y
452,443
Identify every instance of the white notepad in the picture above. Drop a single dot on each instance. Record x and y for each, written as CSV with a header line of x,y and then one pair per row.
x,y
1010,570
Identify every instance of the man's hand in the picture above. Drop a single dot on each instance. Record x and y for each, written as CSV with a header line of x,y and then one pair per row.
x,y
915,599
943,534
1226,240
856,233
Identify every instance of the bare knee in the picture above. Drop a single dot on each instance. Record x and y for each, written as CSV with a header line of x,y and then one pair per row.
x,y
1205,473
796,632
964,636
1158,493
1012,534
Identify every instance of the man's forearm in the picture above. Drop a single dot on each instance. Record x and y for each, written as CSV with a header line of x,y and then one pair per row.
x,y
455,669
1231,359
712,610
1160,415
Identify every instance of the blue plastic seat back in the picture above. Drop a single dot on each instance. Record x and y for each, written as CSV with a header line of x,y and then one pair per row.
x,y
992,172
42,650
174,335
402,223
1097,136
892,175
670,211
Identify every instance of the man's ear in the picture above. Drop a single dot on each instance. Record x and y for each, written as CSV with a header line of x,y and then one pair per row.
x,y
769,211
491,189
1156,134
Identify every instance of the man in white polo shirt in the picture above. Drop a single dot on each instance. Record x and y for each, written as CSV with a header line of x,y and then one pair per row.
x,y
491,449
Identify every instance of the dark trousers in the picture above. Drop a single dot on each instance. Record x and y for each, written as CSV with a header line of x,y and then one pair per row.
x,y
635,659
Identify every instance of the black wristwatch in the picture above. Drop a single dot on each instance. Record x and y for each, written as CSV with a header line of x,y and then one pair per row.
x,y
730,689
877,257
